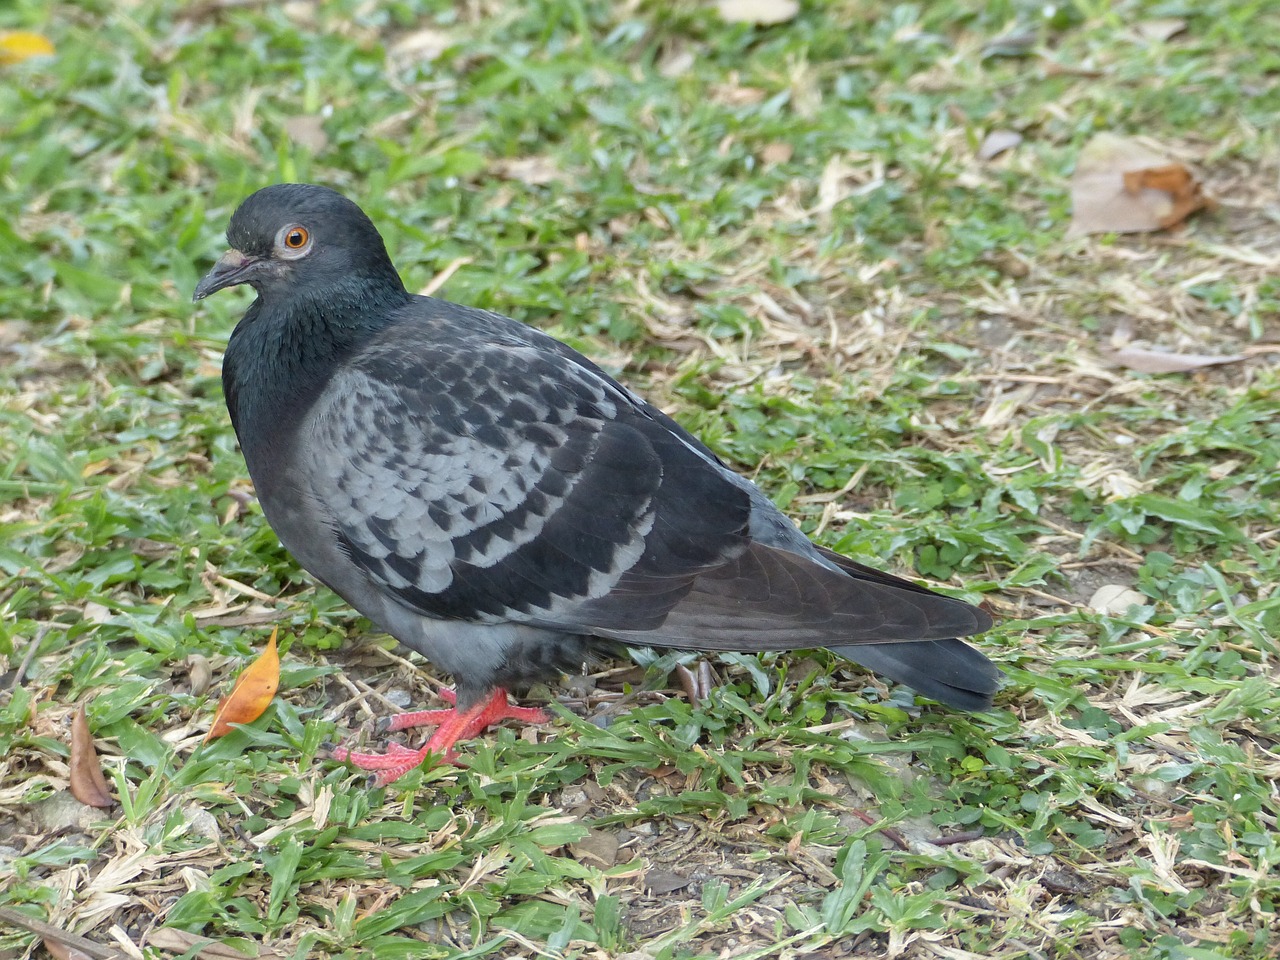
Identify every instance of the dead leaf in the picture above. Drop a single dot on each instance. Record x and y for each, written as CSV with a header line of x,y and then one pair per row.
x,y
997,142
251,695
1121,185
1114,599
775,153
420,46
95,612
762,13
19,45
1160,29
307,131
201,674
733,95
832,185
676,63
1155,361
598,848
88,785
696,686
663,881
60,951
531,170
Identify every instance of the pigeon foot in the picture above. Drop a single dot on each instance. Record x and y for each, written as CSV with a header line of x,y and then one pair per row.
x,y
451,726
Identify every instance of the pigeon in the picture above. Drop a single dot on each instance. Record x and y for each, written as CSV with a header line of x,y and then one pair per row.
x,y
497,502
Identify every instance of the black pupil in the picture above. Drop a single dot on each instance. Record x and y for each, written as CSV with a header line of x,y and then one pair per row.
x,y
295,239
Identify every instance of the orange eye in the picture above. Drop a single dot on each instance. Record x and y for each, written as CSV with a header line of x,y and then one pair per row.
x,y
296,238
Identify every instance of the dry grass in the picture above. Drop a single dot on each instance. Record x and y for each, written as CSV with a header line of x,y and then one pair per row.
x,y
784,237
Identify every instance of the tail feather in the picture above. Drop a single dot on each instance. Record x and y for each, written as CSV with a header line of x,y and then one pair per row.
x,y
949,671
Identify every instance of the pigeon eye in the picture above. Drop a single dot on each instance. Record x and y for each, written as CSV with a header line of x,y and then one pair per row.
x,y
293,241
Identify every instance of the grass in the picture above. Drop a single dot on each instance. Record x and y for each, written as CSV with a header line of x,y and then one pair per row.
x,y
783,236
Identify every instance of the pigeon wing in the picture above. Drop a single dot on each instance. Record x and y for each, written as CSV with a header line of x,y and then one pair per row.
x,y
492,482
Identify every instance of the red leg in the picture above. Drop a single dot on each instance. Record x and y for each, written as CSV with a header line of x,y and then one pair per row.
x,y
451,726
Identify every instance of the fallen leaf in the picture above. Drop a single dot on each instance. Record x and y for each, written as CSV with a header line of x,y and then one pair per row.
x,y
1160,29
696,686
201,674
733,95
997,142
663,881
1155,361
598,849
762,13
676,63
251,695
531,170
307,131
1123,186
95,612
18,45
60,951
1114,599
88,785
832,185
420,46
775,153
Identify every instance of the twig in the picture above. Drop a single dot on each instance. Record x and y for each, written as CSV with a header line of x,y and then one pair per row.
x,y
29,655
890,834
48,931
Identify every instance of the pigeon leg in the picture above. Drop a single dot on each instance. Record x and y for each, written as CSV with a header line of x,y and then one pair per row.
x,y
451,726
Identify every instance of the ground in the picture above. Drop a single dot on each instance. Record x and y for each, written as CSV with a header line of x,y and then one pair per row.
x,y
785,235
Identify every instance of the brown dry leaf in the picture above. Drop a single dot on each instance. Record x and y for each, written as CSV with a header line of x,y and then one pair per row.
x,y
251,695
201,674
1122,185
1155,361
598,849
762,13
19,45
307,131
88,785
658,882
997,142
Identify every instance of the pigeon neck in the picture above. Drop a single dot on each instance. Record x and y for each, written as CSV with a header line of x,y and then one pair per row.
x,y
280,357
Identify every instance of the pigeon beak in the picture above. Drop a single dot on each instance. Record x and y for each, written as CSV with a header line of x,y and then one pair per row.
x,y
233,268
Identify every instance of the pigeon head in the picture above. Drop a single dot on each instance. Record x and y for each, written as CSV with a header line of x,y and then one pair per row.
x,y
298,239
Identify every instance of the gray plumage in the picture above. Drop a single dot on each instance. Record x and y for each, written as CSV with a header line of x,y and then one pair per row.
x,y
498,503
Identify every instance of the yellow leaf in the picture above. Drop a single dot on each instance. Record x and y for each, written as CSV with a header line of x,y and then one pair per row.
x,y
18,45
251,695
